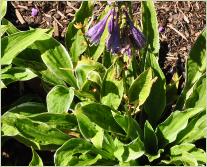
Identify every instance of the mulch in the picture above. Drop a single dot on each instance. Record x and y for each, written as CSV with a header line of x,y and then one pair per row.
x,y
180,24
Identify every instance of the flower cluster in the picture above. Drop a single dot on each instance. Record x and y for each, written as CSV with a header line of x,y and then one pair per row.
x,y
120,40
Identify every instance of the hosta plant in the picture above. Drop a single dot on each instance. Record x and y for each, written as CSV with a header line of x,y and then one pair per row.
x,y
107,96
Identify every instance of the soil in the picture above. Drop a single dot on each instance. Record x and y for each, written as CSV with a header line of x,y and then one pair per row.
x,y
180,24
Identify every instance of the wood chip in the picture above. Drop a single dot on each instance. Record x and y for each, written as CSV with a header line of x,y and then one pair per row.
x,y
22,7
19,16
47,15
56,30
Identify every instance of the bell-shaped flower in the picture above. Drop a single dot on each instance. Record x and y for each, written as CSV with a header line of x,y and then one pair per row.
x,y
94,33
138,37
113,42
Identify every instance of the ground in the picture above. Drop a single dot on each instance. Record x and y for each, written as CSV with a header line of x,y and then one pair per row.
x,y
180,24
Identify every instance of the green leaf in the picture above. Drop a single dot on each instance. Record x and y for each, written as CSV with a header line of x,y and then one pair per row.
x,y
95,111
152,157
129,163
17,74
6,68
196,62
90,130
2,85
128,152
195,68
87,128
129,125
94,76
40,132
155,103
171,92
108,144
59,99
3,8
107,58
140,88
63,122
32,133
67,154
185,159
112,87
150,25
57,59
168,130
97,140
150,139
3,29
11,28
85,96
195,130
27,109
29,143
58,65
198,96
78,46
75,40
7,127
36,159
84,69
96,51
12,45
37,66
186,154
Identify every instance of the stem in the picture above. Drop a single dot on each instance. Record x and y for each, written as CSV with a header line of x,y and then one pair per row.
x,y
87,42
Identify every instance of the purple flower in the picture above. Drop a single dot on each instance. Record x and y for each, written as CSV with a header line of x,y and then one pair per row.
x,y
137,36
112,43
161,29
120,39
34,12
94,33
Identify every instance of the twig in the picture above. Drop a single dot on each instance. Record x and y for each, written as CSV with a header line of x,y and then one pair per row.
x,y
19,16
70,14
185,18
57,22
62,15
171,58
178,32
23,7
47,15
69,4
56,31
